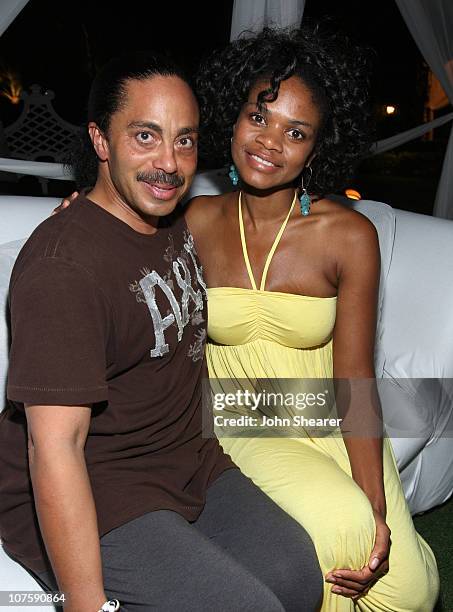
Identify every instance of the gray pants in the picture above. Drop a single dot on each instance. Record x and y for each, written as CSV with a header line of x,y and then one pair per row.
x,y
242,554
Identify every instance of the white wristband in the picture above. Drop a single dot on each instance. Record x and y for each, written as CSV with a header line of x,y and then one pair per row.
x,y
112,605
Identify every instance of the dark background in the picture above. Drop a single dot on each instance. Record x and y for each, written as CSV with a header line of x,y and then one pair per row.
x,y
59,45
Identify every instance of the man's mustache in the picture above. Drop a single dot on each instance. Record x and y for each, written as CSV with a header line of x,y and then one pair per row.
x,y
161,177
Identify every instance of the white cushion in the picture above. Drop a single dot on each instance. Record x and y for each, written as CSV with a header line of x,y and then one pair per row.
x,y
20,215
383,218
8,254
14,577
210,182
417,314
417,338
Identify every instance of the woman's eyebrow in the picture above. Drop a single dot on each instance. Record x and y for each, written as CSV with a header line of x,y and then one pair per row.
x,y
290,121
300,122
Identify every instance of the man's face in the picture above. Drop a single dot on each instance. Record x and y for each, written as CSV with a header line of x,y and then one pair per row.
x,y
151,145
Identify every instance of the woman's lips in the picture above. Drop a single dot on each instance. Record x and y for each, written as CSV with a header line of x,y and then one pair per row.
x,y
259,163
161,191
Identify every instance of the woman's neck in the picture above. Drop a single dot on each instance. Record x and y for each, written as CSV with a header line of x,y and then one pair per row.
x,y
266,207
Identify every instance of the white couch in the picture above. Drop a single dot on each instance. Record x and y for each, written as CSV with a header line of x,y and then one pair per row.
x,y
414,355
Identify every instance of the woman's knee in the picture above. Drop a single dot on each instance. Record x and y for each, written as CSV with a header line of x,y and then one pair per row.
x,y
416,586
345,538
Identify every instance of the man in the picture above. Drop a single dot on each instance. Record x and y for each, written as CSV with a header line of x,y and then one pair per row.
x,y
108,323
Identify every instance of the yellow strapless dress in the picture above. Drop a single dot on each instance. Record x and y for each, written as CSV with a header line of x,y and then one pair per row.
x,y
253,334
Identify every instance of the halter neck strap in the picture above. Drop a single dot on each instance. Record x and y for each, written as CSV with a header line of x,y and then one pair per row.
x,y
273,248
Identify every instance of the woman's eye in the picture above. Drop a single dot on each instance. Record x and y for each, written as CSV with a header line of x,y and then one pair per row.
x,y
297,135
257,118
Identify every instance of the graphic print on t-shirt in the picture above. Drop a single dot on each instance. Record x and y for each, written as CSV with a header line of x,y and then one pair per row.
x,y
178,313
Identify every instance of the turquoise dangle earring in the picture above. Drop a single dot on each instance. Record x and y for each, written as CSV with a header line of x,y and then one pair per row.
x,y
304,198
233,174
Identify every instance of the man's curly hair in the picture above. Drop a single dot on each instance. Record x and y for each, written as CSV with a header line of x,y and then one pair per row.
x,y
336,72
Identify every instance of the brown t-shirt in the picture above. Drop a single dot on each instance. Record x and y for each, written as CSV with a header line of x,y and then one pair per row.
x,y
104,315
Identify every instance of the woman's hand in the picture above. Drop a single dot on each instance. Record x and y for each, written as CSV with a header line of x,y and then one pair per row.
x,y
65,203
356,583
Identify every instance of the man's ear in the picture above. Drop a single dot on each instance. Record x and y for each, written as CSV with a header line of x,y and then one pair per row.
x,y
100,142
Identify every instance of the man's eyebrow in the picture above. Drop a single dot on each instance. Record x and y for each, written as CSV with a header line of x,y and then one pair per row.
x,y
157,128
146,124
188,130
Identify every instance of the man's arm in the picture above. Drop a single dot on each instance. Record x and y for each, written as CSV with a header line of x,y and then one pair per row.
x,y
64,501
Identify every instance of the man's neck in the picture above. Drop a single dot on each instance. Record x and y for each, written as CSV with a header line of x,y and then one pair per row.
x,y
108,198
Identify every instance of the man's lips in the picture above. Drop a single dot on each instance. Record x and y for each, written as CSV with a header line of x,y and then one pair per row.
x,y
161,191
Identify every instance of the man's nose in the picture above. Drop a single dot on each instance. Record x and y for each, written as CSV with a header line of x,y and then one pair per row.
x,y
166,158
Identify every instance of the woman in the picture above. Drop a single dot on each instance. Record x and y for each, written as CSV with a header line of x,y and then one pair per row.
x,y
293,281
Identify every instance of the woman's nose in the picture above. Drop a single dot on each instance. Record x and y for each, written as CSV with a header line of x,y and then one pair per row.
x,y
270,138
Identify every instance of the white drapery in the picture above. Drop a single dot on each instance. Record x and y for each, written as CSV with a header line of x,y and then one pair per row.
x,y
47,170
254,15
395,141
431,25
9,9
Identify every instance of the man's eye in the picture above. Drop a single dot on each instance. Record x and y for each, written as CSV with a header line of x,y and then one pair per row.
x,y
187,142
144,137
257,118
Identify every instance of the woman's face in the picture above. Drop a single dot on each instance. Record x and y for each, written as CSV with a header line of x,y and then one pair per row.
x,y
270,148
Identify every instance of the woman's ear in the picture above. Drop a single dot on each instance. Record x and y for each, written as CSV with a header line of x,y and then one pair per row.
x,y
232,136
100,142
310,159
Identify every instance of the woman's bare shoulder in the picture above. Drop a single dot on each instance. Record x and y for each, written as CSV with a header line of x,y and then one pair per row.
x,y
203,210
343,219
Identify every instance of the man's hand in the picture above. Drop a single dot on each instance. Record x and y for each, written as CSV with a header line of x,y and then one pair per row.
x,y
65,203
356,583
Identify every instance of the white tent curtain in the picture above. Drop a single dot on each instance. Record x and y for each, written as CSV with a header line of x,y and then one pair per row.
x,y
254,15
47,170
431,24
395,141
9,9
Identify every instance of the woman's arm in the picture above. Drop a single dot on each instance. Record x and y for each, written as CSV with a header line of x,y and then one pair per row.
x,y
64,502
196,213
357,398
65,203
353,357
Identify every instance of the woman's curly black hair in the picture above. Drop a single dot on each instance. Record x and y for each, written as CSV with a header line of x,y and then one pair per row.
x,y
336,72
